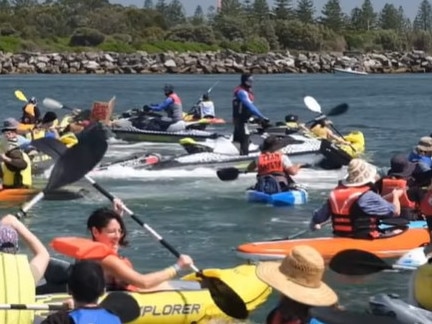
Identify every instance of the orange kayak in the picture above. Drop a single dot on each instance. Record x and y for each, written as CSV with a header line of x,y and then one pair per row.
x,y
389,247
23,195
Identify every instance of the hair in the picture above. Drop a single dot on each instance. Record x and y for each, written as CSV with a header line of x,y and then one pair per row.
x,y
86,281
100,219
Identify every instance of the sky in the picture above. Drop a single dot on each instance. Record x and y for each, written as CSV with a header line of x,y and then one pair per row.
x,y
410,6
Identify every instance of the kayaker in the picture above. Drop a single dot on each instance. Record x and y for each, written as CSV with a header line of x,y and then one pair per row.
x,y
10,230
15,168
243,108
174,109
400,176
274,168
30,112
422,154
291,122
354,207
86,284
322,129
206,107
299,280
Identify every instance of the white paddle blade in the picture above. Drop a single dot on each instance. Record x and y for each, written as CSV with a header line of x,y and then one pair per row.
x,y
312,104
52,104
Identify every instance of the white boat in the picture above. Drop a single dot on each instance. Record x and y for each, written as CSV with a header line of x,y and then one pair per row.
x,y
349,70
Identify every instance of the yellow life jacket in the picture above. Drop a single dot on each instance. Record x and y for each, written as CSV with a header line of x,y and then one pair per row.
x,y
9,176
67,119
423,286
30,109
319,131
35,134
292,125
69,139
17,286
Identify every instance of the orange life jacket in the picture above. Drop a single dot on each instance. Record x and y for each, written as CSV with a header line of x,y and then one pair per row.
x,y
426,204
348,221
270,164
388,184
84,249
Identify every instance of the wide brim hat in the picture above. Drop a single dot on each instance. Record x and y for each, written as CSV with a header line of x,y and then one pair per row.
x,y
299,277
10,124
424,144
400,166
360,173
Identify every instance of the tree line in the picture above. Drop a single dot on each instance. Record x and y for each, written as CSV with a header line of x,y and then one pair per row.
x,y
239,25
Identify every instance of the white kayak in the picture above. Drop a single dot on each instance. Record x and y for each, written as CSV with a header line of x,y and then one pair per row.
x,y
349,71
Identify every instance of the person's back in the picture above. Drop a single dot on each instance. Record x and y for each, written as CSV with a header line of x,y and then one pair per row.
x,y
206,107
30,112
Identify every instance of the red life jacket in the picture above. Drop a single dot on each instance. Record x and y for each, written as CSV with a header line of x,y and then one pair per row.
x,y
388,184
348,221
426,204
270,164
175,98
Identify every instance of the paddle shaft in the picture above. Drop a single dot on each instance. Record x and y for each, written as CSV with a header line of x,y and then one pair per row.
x,y
337,132
303,232
34,307
136,219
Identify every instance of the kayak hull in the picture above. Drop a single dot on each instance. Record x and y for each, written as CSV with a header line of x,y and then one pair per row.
x,y
390,247
287,198
22,195
348,72
190,303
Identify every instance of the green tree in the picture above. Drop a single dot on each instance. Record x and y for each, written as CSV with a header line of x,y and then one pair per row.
x,y
305,11
231,8
175,13
405,21
368,16
261,10
355,20
333,17
283,9
198,17
161,6
423,20
148,4
389,17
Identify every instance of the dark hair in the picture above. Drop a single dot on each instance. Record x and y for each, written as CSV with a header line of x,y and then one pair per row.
x,y
86,281
100,219
205,96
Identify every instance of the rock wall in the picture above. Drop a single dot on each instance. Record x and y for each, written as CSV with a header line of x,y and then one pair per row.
x,y
211,62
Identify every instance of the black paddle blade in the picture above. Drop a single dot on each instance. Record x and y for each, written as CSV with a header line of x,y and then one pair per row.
x,y
225,297
396,221
77,161
123,305
331,315
50,146
357,263
228,174
338,110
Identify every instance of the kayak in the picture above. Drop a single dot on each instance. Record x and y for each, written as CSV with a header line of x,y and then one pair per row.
x,y
133,134
211,121
349,71
190,303
22,195
392,305
389,247
286,198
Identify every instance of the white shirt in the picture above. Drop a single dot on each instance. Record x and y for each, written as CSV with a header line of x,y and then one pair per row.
x,y
206,108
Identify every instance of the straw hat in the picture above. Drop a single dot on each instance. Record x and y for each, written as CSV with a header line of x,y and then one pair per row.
x,y
424,144
299,277
359,173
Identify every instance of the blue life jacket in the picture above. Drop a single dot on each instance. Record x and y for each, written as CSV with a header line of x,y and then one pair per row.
x,y
93,316
315,321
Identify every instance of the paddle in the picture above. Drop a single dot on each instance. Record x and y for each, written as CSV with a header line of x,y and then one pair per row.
x,y
54,104
73,164
331,315
20,95
223,296
119,303
232,173
359,263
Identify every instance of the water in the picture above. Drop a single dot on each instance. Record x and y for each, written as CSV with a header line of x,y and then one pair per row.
x,y
196,212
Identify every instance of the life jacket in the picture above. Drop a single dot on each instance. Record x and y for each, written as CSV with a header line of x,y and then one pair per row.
x,y
422,286
69,139
175,110
426,204
36,133
17,286
319,131
270,164
240,113
84,249
20,179
292,125
348,220
389,183
29,115
93,316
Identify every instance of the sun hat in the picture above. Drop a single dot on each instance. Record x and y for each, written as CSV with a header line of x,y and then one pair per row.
x,y
299,277
272,143
10,124
424,144
359,173
8,239
400,166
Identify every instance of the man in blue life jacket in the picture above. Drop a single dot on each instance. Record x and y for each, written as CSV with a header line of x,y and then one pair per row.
x,y
244,108
86,284
173,122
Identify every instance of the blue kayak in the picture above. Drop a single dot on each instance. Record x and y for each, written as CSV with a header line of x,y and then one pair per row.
x,y
412,224
286,198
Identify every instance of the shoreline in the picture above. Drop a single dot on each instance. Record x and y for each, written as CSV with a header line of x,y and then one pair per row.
x,y
222,62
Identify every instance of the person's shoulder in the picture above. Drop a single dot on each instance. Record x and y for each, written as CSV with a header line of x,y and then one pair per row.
x,y
61,317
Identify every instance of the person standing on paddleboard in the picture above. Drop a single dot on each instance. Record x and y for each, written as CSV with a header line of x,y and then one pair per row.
x,y
243,108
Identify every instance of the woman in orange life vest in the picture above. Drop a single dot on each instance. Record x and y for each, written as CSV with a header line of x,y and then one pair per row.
x,y
106,226
273,167
400,176
299,280
354,207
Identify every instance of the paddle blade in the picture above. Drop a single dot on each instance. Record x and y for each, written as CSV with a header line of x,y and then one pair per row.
x,y
331,315
225,297
357,263
338,110
50,146
52,104
77,161
312,104
20,95
123,305
228,174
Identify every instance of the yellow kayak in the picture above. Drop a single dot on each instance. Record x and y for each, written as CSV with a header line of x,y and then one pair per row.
x,y
191,303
